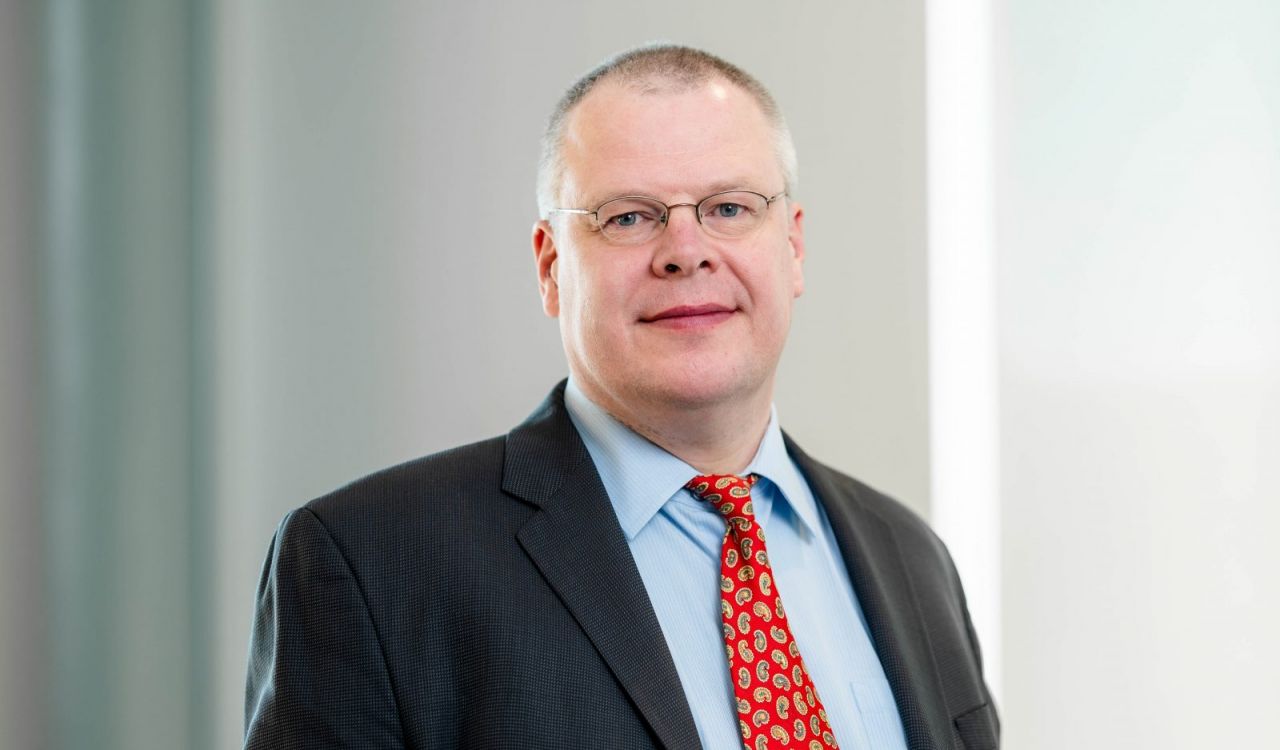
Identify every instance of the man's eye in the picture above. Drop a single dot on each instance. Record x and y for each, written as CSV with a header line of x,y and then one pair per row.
x,y
629,220
727,210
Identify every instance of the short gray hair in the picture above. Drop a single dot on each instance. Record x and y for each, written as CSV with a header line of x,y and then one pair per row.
x,y
671,64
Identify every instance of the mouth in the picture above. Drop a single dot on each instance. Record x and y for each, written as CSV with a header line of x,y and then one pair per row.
x,y
690,316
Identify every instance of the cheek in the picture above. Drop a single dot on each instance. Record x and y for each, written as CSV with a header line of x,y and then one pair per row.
x,y
593,297
774,280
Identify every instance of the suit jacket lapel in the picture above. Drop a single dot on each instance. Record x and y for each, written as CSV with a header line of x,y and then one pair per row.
x,y
874,561
577,543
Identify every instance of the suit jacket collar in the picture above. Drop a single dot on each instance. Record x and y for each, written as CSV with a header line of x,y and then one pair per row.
x,y
576,541
874,561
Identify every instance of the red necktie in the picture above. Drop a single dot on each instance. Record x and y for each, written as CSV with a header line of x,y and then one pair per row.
x,y
777,705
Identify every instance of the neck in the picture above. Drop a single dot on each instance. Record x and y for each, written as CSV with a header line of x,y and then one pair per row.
x,y
714,438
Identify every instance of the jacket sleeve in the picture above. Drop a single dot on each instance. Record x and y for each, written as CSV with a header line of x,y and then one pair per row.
x,y
317,673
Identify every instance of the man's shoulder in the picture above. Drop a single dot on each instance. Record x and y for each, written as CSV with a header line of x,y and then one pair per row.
x,y
440,485
881,503
473,490
464,463
906,523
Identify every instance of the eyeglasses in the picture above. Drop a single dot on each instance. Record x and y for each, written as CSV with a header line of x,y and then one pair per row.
x,y
634,219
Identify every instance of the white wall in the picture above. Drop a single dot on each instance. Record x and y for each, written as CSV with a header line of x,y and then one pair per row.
x,y
374,168
1139,263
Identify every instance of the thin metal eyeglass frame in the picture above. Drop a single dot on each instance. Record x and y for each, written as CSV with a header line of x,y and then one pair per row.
x,y
666,213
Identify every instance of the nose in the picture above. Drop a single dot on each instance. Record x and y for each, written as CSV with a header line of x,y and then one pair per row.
x,y
683,247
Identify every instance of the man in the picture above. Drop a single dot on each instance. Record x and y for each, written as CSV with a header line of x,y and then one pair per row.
x,y
598,577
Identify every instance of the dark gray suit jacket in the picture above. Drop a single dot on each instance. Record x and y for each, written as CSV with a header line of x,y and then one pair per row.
x,y
485,597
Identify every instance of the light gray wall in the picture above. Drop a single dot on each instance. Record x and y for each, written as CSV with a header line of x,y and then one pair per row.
x,y
1140,337
22,679
375,293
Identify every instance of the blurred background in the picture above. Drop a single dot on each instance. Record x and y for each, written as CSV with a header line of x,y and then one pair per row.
x,y
250,251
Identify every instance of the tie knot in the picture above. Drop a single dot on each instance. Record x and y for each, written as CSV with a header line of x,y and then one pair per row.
x,y
727,493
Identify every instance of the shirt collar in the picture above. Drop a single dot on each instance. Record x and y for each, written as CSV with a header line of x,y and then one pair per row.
x,y
641,477
774,464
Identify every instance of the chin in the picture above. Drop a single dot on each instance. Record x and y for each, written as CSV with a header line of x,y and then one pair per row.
x,y
698,390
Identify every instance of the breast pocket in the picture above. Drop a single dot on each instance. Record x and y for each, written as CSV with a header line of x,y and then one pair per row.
x,y
979,728
881,723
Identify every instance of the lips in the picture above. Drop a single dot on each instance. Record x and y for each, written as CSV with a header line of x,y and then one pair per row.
x,y
689,312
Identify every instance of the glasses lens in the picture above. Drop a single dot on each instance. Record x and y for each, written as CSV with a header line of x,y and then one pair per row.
x,y
732,214
630,220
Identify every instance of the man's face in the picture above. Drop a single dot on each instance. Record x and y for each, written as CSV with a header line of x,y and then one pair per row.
x,y
685,319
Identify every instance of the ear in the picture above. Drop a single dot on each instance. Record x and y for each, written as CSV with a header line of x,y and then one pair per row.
x,y
795,238
545,256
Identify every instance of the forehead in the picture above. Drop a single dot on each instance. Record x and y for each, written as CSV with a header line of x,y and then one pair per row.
x,y
669,142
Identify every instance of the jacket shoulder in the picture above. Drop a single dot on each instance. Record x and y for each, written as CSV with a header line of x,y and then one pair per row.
x,y
908,525
441,485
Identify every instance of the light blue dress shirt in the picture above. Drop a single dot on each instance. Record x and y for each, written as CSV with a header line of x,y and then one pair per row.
x,y
676,538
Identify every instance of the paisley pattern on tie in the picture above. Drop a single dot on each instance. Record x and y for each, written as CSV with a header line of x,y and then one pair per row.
x,y
777,705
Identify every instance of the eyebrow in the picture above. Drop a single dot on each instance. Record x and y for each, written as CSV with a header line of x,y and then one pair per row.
x,y
720,186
